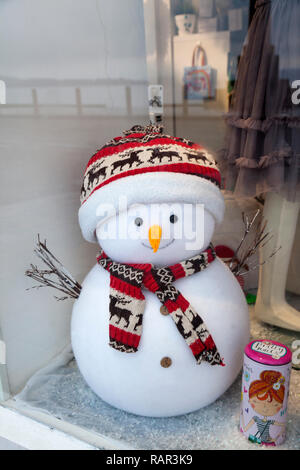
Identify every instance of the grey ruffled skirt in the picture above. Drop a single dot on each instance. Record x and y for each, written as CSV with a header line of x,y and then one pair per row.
x,y
262,148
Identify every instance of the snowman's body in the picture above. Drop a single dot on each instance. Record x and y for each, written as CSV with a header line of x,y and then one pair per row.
x,y
137,382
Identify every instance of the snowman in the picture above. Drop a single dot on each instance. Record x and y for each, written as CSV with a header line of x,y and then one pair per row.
x,y
161,323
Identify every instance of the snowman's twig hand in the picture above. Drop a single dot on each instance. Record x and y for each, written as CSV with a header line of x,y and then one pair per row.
x,y
56,276
242,256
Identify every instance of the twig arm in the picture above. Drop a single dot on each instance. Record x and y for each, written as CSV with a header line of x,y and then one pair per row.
x,y
56,277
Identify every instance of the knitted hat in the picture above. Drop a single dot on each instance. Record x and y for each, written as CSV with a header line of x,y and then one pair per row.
x,y
148,166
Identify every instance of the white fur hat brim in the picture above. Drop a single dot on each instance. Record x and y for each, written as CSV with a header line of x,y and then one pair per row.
x,y
147,188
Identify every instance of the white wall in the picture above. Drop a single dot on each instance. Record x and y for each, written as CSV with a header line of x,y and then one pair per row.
x,y
77,41
42,157
72,39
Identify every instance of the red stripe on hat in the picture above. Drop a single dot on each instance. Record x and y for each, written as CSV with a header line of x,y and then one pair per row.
x,y
187,168
114,149
139,135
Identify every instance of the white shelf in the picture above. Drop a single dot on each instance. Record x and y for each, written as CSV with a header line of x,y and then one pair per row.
x,y
36,430
219,35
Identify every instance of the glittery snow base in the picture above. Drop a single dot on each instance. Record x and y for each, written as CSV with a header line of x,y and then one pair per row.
x,y
61,391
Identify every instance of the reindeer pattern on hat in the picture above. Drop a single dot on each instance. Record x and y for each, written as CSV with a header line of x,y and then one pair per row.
x,y
110,163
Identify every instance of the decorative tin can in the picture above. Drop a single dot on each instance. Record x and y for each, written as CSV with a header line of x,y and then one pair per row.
x,y
265,389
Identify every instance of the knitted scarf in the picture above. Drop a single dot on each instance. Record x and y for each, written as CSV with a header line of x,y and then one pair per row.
x,y
127,303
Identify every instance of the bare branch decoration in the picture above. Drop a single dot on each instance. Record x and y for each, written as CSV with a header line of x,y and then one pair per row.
x,y
239,263
56,276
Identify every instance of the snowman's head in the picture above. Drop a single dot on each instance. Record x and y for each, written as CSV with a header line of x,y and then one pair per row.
x,y
148,167
160,234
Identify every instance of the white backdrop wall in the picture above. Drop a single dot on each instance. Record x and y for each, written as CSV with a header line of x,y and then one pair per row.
x,y
50,49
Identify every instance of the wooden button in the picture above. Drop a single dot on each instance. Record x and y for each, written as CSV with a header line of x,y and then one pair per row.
x,y
163,310
166,362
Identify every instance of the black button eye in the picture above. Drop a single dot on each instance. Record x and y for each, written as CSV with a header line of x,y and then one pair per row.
x,y
173,218
138,221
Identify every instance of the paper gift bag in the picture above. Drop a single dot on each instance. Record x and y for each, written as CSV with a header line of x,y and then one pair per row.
x,y
198,79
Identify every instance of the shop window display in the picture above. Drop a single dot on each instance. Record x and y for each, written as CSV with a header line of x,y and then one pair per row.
x,y
202,96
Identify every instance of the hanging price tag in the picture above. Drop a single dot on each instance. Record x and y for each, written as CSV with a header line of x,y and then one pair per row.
x,y
2,92
2,352
155,103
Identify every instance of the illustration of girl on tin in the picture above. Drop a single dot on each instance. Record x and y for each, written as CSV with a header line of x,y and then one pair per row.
x,y
266,398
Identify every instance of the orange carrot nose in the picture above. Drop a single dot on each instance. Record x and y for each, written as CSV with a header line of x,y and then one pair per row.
x,y
154,235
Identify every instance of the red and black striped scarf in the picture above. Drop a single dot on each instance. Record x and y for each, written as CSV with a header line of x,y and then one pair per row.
x,y
127,303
